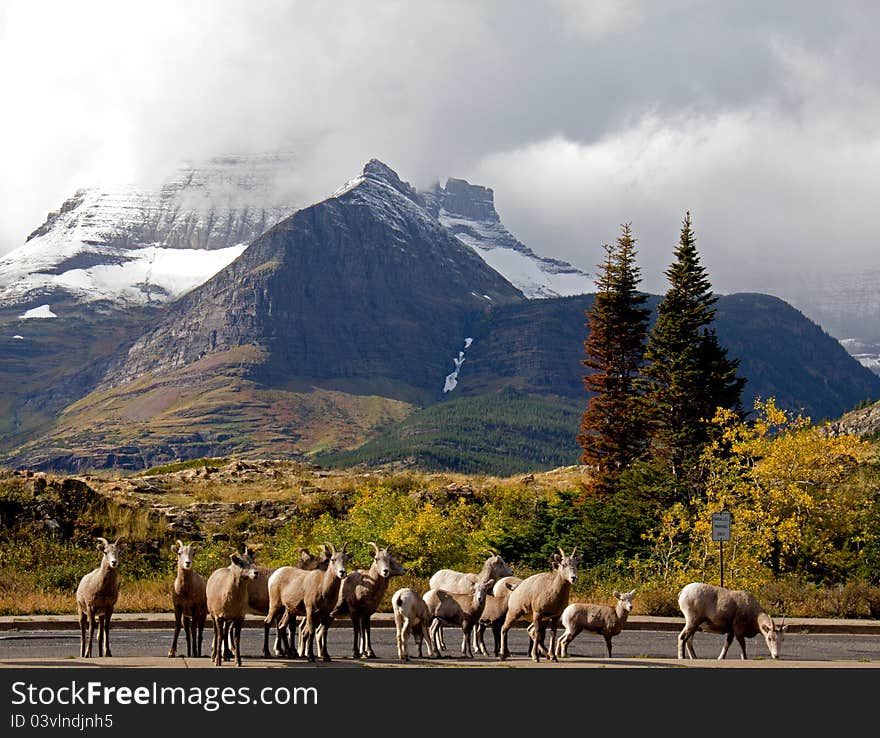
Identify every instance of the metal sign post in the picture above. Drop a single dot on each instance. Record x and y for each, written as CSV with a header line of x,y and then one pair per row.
x,y
721,533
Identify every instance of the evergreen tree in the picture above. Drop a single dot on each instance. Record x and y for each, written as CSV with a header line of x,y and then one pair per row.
x,y
613,425
687,372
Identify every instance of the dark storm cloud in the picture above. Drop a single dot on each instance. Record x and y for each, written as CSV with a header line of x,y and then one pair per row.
x,y
758,117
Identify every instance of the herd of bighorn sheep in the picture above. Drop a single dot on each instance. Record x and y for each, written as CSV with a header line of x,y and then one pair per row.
x,y
318,588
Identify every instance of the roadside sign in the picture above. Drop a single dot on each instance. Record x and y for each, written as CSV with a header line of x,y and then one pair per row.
x,y
721,526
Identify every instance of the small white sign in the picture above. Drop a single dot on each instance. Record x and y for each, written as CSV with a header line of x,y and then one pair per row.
x,y
721,526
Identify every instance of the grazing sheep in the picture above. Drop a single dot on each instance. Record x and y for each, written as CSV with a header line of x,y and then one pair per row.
x,y
189,600
603,620
451,608
411,616
542,597
314,594
460,582
227,596
276,583
494,613
96,597
733,612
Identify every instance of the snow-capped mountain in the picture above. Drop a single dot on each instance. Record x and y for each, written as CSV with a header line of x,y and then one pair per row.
x,y
131,245
468,211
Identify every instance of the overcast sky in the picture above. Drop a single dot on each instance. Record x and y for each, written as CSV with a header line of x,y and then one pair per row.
x,y
761,118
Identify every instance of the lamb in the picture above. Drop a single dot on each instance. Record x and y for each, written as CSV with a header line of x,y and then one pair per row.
x,y
494,613
460,582
227,596
314,594
96,597
189,600
411,616
276,583
604,620
733,612
542,597
361,594
451,608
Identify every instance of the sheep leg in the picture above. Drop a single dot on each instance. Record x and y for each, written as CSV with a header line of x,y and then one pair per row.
x,y
266,627
105,627
508,622
322,637
403,630
434,634
608,643
368,641
83,625
216,643
178,617
465,641
189,630
742,645
727,641
92,624
684,641
554,627
236,640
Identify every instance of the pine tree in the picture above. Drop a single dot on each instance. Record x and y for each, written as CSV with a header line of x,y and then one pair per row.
x,y
613,425
687,372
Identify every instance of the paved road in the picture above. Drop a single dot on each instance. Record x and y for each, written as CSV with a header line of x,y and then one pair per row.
x,y
634,644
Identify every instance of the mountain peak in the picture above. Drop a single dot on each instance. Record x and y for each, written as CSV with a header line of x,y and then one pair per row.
x,y
381,172
461,198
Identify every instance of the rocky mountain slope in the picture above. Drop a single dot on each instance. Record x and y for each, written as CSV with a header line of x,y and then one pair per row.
x,y
130,246
360,315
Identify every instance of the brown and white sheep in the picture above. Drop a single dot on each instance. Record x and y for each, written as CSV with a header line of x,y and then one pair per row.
x,y
450,580
734,612
361,594
541,597
494,612
411,617
313,595
96,597
189,599
227,595
278,580
452,608
603,620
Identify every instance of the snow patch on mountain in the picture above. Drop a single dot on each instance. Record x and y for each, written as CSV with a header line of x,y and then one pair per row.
x,y
136,245
468,212
451,381
43,311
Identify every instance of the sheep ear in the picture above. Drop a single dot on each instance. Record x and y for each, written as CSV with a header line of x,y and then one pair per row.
x,y
375,548
617,594
236,559
102,543
490,583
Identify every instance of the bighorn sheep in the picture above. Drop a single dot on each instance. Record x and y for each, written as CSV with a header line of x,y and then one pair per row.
x,y
277,581
361,594
733,612
188,596
604,620
460,582
313,594
411,616
494,613
464,610
227,595
258,592
542,597
96,597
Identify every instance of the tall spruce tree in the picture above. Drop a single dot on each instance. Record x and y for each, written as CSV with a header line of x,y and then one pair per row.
x,y
687,372
613,425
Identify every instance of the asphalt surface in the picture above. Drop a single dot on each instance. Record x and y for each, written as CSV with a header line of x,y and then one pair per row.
x,y
143,640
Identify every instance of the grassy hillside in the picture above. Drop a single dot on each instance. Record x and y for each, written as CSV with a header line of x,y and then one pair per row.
x,y
507,432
